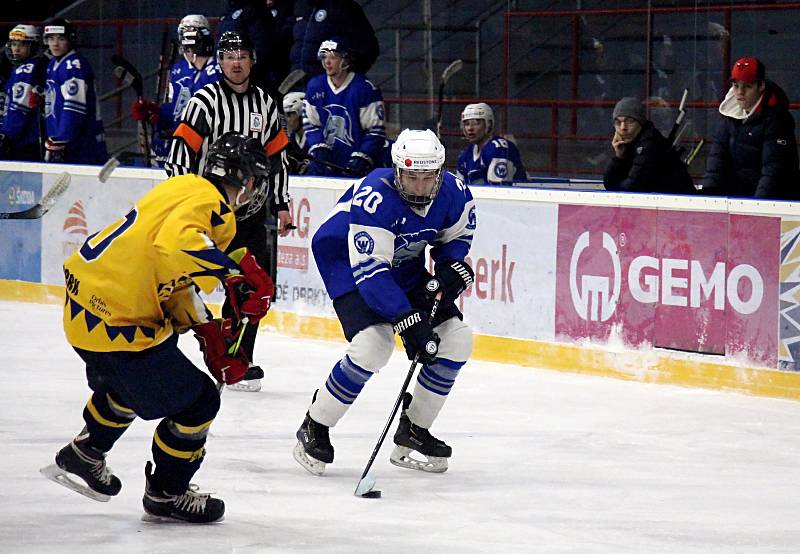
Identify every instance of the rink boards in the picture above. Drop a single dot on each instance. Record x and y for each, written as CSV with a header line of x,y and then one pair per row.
x,y
693,291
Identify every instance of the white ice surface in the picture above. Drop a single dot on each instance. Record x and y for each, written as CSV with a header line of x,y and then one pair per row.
x,y
543,462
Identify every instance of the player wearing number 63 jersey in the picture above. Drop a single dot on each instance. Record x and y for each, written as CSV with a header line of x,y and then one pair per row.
x,y
129,288
370,252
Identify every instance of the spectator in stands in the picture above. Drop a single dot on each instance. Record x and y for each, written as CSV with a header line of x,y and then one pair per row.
x,y
319,20
488,159
344,115
643,161
754,151
74,127
5,72
20,136
256,20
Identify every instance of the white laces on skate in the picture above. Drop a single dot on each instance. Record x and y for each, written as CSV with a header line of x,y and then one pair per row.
x,y
192,501
98,468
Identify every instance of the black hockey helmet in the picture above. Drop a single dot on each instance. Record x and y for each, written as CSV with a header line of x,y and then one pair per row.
x,y
231,41
233,159
341,45
61,26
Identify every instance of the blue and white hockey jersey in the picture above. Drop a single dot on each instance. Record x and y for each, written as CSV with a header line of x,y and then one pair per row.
x,y
349,119
497,163
375,243
21,123
184,80
73,111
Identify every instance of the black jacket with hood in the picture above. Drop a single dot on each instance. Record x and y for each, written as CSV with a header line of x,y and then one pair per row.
x,y
754,153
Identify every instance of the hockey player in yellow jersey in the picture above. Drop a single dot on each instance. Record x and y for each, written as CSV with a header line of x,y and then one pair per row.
x,y
131,288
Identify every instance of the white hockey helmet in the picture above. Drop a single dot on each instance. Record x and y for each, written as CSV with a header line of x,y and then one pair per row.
x,y
24,33
194,35
480,110
293,102
418,151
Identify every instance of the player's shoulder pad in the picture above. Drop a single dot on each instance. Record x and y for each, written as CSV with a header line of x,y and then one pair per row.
x,y
454,189
315,89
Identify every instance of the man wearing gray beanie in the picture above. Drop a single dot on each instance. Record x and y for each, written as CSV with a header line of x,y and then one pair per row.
x,y
644,161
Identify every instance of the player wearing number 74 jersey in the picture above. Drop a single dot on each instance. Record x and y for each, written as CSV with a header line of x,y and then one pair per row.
x,y
370,252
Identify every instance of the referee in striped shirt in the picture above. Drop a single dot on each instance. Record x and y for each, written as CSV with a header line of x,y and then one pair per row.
x,y
235,104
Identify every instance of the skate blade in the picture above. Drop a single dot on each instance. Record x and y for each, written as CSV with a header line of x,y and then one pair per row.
x,y
254,385
312,465
401,457
65,479
147,517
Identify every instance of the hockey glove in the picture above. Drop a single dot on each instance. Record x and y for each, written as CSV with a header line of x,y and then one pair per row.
x,y
216,339
452,277
54,151
319,157
250,292
145,110
418,336
358,166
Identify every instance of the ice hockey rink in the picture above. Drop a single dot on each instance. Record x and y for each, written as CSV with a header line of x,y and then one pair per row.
x,y
543,462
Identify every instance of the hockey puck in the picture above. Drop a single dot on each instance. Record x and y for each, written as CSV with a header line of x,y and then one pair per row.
x,y
371,494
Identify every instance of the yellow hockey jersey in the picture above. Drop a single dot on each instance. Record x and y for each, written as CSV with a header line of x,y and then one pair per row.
x,y
131,285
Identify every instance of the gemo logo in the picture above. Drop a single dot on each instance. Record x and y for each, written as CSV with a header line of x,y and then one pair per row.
x,y
652,280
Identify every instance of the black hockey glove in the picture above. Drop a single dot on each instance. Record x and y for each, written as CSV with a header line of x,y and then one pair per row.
x,y
418,336
452,277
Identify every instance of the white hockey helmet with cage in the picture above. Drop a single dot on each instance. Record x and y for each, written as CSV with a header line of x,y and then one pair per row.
x,y
194,35
293,102
480,110
418,151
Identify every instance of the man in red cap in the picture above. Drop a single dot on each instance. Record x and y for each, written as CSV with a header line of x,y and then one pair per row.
x,y
754,152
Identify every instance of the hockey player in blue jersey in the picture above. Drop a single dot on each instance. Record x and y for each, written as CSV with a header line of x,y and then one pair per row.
x,y
489,159
74,127
344,116
370,252
196,68
19,135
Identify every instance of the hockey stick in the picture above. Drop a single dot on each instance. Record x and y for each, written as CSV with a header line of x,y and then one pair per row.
x,y
127,72
674,134
44,205
291,80
107,169
366,485
693,154
454,67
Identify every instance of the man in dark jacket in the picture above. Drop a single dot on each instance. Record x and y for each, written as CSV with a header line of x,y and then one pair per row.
x,y
319,20
643,159
754,152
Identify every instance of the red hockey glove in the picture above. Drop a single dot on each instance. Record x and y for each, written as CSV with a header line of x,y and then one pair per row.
x,y
54,151
250,292
216,337
145,110
36,98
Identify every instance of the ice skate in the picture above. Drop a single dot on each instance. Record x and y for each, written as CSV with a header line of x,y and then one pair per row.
x,y
77,460
189,507
411,438
313,449
251,381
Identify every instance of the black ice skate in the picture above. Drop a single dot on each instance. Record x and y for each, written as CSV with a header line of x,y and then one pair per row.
x,y
251,381
413,438
313,449
189,507
77,459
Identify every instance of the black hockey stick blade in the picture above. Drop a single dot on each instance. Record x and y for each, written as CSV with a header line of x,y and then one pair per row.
x,y
127,66
291,80
44,205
